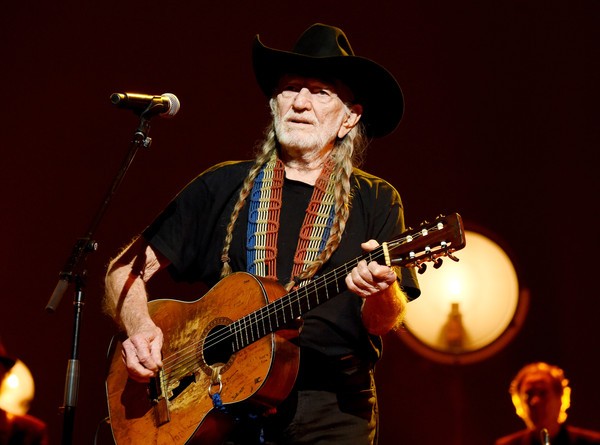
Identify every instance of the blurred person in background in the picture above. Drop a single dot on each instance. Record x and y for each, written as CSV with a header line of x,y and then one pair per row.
x,y
541,395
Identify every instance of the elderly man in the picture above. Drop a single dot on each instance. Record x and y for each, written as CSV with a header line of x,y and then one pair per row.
x,y
295,213
541,395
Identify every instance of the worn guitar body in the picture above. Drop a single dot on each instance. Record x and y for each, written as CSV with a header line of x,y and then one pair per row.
x,y
176,407
237,343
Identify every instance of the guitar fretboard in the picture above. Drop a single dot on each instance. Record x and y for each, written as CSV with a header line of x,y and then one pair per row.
x,y
410,249
283,311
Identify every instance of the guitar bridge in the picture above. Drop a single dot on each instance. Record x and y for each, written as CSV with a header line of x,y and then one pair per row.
x,y
157,391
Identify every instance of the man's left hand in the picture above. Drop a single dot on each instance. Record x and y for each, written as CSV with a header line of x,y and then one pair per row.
x,y
369,279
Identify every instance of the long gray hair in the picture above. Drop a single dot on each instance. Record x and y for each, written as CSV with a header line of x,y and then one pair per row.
x,y
346,154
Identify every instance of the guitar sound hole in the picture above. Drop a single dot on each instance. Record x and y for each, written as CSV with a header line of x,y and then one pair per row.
x,y
217,346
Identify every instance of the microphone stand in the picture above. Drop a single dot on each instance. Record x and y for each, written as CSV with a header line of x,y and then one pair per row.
x,y
544,436
74,271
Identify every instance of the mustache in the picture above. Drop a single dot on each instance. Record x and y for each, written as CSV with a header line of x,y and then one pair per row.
x,y
291,116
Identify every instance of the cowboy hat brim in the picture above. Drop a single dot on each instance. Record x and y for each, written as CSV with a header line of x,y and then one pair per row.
x,y
372,85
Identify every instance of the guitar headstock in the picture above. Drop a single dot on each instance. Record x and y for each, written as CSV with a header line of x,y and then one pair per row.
x,y
429,243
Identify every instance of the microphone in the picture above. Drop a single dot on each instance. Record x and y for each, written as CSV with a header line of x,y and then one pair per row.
x,y
545,437
165,105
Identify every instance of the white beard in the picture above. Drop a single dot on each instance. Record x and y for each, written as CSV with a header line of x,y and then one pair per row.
x,y
313,137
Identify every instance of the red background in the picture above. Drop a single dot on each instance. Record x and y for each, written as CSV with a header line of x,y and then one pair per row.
x,y
500,125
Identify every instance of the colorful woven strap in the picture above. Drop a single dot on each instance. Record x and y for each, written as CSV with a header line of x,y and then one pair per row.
x,y
263,220
317,222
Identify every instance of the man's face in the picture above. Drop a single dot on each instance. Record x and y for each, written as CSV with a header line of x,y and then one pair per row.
x,y
309,113
540,401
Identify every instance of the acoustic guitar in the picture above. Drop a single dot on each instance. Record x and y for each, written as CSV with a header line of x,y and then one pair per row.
x,y
237,344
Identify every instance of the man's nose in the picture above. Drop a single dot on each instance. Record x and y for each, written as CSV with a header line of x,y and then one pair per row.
x,y
303,99
535,400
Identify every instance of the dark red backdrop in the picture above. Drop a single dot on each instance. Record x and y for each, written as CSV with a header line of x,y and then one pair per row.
x,y
501,125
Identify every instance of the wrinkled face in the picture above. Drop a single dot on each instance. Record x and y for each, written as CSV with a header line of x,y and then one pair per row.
x,y
309,113
540,400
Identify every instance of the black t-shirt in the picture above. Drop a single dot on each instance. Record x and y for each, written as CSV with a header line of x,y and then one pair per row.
x,y
190,232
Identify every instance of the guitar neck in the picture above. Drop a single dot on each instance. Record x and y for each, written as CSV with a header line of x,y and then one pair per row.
x,y
283,311
412,248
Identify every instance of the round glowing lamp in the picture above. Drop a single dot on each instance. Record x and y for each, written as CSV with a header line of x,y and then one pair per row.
x,y
467,310
17,389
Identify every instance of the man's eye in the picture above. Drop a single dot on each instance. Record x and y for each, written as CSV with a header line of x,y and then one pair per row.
x,y
324,93
294,88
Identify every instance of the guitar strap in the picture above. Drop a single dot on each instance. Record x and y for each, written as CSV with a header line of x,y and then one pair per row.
x,y
264,213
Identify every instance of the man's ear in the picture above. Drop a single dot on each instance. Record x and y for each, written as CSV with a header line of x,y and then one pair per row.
x,y
350,120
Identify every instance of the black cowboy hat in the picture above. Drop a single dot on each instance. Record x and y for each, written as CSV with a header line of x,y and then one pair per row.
x,y
324,52
8,361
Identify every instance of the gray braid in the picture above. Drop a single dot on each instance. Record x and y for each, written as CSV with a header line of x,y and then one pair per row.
x,y
264,154
350,147
347,153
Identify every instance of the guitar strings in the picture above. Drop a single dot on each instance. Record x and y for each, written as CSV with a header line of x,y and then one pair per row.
x,y
185,360
373,255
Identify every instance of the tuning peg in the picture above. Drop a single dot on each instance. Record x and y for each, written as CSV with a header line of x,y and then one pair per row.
x,y
437,263
452,257
422,267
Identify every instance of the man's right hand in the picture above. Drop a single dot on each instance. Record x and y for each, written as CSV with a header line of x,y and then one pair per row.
x,y
142,353
127,302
